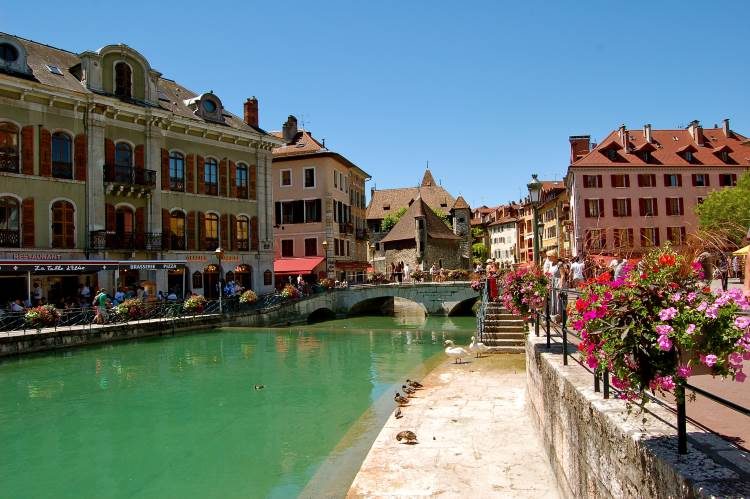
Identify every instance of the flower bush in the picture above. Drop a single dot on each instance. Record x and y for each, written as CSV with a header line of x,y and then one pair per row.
x,y
290,292
477,285
524,290
194,304
132,308
248,296
327,283
376,278
653,328
418,275
458,275
42,316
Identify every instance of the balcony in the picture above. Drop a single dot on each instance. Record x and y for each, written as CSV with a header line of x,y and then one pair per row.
x,y
211,189
176,184
127,180
62,170
242,245
176,241
8,162
10,238
105,240
242,192
211,243
346,228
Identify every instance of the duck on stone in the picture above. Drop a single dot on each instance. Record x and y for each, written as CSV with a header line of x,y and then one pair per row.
x,y
408,391
400,399
409,436
414,384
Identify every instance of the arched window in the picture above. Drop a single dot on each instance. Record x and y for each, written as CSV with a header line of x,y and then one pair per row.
x,y
197,280
124,228
62,155
63,225
10,233
211,232
267,278
242,231
210,176
8,147
123,163
177,230
123,80
176,172
242,181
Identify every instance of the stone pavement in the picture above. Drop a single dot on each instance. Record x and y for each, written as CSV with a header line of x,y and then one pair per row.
x,y
475,438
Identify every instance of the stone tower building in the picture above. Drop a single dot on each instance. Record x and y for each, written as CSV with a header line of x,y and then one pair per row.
x,y
461,214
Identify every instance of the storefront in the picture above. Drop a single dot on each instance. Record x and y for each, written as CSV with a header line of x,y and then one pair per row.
x,y
353,272
286,270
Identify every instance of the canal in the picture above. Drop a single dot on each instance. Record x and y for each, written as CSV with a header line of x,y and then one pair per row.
x,y
181,416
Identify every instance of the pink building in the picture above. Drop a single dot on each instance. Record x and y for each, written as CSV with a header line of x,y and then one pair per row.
x,y
639,188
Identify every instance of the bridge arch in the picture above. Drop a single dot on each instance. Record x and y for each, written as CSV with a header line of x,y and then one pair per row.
x,y
321,314
386,305
464,307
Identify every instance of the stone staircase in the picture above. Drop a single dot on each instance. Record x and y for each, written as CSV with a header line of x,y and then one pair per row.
x,y
503,331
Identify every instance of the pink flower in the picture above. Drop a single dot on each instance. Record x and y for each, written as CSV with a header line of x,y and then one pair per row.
x,y
740,377
742,322
663,329
690,329
703,305
684,371
690,297
712,312
735,358
667,383
676,297
709,360
592,362
668,314
620,384
578,325
664,343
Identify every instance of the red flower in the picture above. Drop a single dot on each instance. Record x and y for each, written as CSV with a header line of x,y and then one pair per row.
x,y
604,278
581,304
666,259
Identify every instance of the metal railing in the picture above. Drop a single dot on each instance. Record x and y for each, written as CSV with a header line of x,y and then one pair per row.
x,y
555,325
101,240
482,312
129,175
10,238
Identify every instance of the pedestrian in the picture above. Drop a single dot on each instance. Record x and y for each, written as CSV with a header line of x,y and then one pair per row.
x,y
576,271
407,277
37,294
736,267
100,302
723,266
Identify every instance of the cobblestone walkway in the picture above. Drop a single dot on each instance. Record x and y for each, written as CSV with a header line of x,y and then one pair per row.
x,y
475,438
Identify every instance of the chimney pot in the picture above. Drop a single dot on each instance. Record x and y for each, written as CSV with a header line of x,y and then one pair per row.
x,y
289,130
251,111
580,145
725,128
647,133
624,138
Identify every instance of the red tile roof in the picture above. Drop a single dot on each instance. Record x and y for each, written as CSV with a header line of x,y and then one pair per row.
x,y
404,229
303,143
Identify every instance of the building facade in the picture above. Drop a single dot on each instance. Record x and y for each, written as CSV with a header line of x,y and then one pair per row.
x,y
554,212
319,198
101,158
503,234
638,188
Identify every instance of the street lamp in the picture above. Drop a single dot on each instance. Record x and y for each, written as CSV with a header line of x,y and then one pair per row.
x,y
535,191
219,252
325,253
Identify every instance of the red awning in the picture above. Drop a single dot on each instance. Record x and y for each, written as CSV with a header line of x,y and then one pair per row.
x,y
296,265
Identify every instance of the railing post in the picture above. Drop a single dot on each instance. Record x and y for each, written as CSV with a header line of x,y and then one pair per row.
x,y
681,418
597,389
547,320
606,383
564,315
537,318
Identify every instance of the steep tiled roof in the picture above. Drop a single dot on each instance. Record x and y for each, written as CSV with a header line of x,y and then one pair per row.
x,y
405,228
435,196
303,143
668,148
503,220
460,204
427,180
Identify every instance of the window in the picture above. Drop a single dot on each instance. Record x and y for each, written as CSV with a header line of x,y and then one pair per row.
x,y
672,180
620,181
550,232
593,208
676,235
286,178
197,280
211,231
290,212
623,238
646,180
241,182
596,239
123,155
648,207
335,178
176,172
8,146
309,177
242,233
208,105
211,176
311,246
725,156
727,179
675,206
8,52
621,207
611,154
689,156
177,230
63,225
10,234
267,278
124,227
62,156
123,80
312,210
287,247
649,237
700,179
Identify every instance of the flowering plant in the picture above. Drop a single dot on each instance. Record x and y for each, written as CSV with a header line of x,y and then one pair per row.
x,y
377,277
524,290
654,328
477,285
458,275
248,296
195,304
327,283
42,316
132,308
290,292
418,275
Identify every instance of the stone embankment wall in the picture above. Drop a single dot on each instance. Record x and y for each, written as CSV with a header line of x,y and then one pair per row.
x,y
597,450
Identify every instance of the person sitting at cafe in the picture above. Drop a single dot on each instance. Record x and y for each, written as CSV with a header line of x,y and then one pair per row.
x,y
16,306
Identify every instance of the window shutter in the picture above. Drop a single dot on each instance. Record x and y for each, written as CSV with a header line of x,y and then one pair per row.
x,y
223,177
80,145
233,228
277,210
642,206
201,175
601,208
27,150
679,180
252,173
694,179
201,230
708,179
70,222
683,235
666,180
166,231
630,238
640,180
191,230
615,213
190,173
599,182
734,179
682,207
657,241
627,180
109,152
629,211
140,157
232,179
164,170
27,223
224,227
109,215
140,227
254,233
655,203
669,207
45,152
613,180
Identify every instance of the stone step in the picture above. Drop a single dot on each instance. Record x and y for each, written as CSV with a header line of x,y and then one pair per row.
x,y
505,329
510,335
503,322
506,317
507,350
503,342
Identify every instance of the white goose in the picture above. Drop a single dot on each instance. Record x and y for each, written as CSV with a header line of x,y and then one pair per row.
x,y
477,347
457,353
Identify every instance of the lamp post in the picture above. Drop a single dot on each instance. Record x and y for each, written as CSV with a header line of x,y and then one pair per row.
x,y
219,252
325,253
535,190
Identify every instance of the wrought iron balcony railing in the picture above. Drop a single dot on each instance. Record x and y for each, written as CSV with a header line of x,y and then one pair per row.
x,y
242,244
128,175
62,170
108,240
8,162
176,184
10,238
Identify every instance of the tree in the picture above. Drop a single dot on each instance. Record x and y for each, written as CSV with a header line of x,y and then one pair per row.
x,y
727,210
479,252
442,216
391,219
477,233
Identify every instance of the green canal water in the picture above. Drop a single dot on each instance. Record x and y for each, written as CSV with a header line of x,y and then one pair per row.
x,y
180,417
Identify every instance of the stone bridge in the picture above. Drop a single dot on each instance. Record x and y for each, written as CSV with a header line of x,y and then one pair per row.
x,y
446,298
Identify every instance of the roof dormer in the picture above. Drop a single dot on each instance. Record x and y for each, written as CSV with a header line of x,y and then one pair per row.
x,y
688,152
723,153
207,106
13,56
611,150
122,72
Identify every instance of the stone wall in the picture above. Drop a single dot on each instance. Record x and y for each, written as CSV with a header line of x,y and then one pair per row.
x,y
597,450
448,251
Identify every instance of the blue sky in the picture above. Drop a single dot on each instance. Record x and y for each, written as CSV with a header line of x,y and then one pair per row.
x,y
486,91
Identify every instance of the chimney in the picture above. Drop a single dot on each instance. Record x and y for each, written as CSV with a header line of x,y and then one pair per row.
x,y
251,111
580,145
725,128
696,131
624,138
289,130
647,133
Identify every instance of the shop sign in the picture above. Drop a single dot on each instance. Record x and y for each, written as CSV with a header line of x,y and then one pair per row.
x,y
36,256
196,258
55,268
151,266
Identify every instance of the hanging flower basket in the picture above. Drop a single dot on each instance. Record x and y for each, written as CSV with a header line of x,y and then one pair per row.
x,y
42,316
195,304
290,292
248,296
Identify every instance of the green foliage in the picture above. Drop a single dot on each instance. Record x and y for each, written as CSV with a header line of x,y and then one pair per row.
x,y
728,210
479,252
477,233
442,216
391,219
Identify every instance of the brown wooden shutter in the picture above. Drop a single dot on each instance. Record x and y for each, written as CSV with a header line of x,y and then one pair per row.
x,y
81,155
223,177
683,235
45,152
657,242
640,180
630,211
630,237
694,177
140,157
166,232
708,179
627,180
612,180
666,180
233,235
682,207
252,173
599,182
642,206
254,233
140,227
734,179
201,230
191,230
190,173
109,152
232,179
601,208
201,175
615,213
669,207
27,150
224,227
27,223
70,215
656,206
109,214
164,170
679,180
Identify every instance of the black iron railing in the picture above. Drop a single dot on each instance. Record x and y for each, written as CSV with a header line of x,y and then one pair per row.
x,y
242,244
8,162
127,175
242,192
106,240
176,184
62,170
10,238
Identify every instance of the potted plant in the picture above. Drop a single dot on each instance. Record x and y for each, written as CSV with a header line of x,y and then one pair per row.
x,y
248,296
418,275
130,309
42,316
290,292
194,304
524,291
